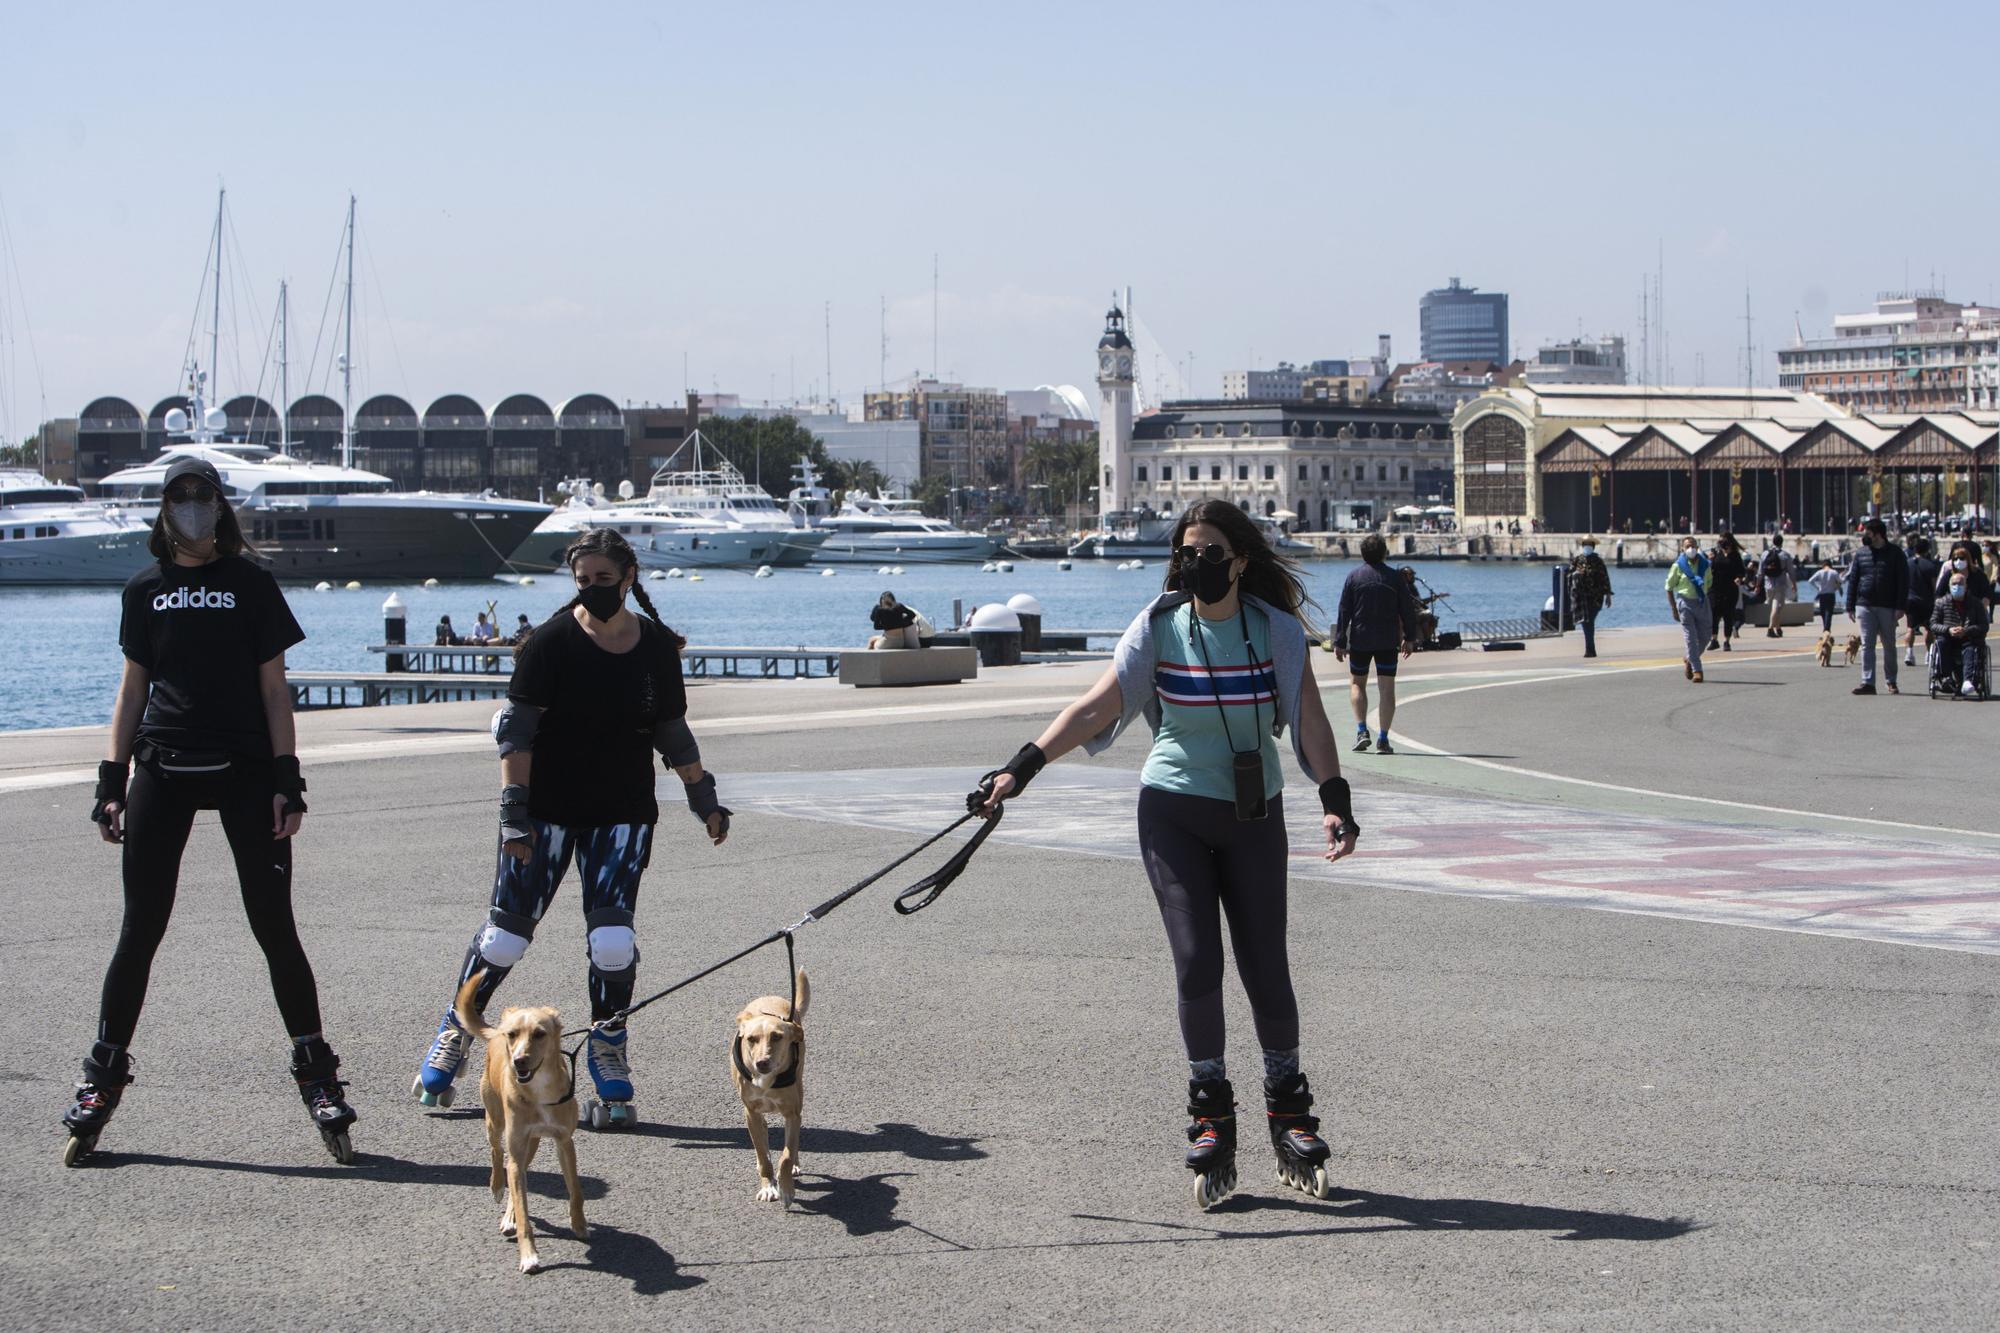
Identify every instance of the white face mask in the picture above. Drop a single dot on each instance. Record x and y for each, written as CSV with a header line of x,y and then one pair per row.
x,y
1958,591
1958,565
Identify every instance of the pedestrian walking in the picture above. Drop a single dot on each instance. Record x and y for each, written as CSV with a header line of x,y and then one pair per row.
x,y
1780,573
1689,580
1589,591
1218,666
1727,594
1825,583
1376,623
203,721
1877,590
1925,586
596,691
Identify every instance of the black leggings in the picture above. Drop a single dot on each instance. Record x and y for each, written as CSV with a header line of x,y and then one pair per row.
x,y
1201,858
159,812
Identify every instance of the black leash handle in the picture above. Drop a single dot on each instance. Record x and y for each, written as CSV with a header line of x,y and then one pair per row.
x,y
935,883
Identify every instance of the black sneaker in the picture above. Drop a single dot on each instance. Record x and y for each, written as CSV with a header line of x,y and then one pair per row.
x,y
1862,689
1362,742
1383,747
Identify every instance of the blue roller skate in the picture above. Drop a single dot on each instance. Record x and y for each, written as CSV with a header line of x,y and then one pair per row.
x,y
432,1085
611,1074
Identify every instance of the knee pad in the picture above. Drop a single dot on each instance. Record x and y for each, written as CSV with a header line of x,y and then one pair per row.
x,y
505,938
613,948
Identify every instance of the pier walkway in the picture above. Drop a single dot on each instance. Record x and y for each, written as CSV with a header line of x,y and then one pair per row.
x,y
1644,1004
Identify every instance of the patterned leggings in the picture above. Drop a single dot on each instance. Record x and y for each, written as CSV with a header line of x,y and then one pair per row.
x,y
610,858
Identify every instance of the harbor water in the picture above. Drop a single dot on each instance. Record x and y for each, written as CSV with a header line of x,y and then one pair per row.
x,y
63,660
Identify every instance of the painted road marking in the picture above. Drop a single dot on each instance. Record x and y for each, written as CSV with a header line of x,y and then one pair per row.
x,y
1885,890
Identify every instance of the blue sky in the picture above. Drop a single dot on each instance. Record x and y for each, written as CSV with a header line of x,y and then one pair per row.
x,y
569,199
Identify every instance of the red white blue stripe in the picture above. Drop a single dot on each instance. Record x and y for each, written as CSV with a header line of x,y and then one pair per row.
x,y
1192,685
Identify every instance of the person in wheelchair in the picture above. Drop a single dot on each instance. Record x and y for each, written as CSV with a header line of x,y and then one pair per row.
x,y
1959,623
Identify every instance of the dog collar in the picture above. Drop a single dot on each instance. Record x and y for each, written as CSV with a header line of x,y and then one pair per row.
x,y
784,1080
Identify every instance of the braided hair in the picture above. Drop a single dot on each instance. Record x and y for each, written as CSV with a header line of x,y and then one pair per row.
x,y
611,544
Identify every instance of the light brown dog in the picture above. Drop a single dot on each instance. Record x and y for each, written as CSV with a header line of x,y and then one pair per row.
x,y
527,1091
767,1058
1854,649
1825,652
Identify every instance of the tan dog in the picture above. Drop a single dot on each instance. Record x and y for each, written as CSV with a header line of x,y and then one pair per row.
x,y
1854,649
526,1088
1825,652
767,1059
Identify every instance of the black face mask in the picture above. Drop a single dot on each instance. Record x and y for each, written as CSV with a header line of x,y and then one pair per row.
x,y
1209,583
601,600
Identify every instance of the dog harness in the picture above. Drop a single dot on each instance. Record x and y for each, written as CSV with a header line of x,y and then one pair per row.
x,y
784,1080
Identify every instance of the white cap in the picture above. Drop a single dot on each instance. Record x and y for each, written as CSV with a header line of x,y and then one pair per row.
x,y
992,618
1024,603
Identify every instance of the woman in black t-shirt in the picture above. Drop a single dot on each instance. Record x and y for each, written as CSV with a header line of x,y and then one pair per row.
x,y
205,711
894,624
596,690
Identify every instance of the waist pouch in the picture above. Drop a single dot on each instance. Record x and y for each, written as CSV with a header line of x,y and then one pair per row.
x,y
175,762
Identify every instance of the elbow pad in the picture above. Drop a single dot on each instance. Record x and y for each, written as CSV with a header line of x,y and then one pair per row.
x,y
675,742
514,727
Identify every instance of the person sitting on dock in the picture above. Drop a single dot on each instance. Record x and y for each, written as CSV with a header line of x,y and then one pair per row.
x,y
895,624
483,630
446,635
522,629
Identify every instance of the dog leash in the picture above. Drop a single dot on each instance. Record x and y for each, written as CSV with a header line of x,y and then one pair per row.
x,y
930,886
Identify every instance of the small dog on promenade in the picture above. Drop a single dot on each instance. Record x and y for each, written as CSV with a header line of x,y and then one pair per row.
x,y
767,1060
527,1090
1854,649
1826,649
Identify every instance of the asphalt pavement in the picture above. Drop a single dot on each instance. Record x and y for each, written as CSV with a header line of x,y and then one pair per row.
x,y
1555,1100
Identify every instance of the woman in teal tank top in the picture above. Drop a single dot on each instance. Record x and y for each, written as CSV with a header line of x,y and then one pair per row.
x,y
1218,666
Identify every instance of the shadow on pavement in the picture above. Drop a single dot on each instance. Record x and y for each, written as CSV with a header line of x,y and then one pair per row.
x,y
1420,1215
367,1166
890,1137
866,1205
640,1260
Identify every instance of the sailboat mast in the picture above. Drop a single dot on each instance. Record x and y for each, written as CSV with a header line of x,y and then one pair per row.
x,y
284,375
215,317
347,354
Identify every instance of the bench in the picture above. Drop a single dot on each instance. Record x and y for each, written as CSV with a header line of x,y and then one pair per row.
x,y
1794,613
866,667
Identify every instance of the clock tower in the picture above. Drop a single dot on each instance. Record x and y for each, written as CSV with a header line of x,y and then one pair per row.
x,y
1114,415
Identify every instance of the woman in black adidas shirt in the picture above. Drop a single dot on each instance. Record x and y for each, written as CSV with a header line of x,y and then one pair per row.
x,y
204,710
596,690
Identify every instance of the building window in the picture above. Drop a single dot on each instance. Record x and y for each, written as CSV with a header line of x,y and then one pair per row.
x,y
1215,472
1326,472
1270,472
1381,472
1404,470
1304,471
1319,428
1292,429
1142,471
1170,432
1242,472
1166,472
1244,429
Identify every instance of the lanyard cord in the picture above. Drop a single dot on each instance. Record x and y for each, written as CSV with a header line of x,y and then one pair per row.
x,y
1249,659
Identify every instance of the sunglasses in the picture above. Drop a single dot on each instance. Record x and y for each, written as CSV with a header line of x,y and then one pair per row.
x,y
199,493
1209,553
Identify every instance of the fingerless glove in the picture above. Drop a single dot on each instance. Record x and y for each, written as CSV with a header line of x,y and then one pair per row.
x,y
1336,799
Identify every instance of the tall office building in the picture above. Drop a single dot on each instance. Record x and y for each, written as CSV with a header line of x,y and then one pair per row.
x,y
1458,323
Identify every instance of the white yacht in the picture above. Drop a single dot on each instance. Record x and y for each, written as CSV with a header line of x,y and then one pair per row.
x,y
322,521
696,479
663,536
51,533
1126,535
876,530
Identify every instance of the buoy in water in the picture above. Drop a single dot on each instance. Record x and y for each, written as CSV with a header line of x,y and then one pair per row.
x,y
694,578
1005,567
826,573
527,580
884,570
989,568
322,586
656,573
895,569
677,573
1062,564
353,585
430,583
763,571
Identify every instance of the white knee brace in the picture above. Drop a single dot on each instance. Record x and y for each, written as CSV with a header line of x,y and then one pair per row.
x,y
613,948
502,948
